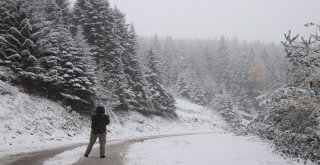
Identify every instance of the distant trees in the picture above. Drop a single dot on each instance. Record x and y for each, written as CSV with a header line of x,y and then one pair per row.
x,y
222,64
225,74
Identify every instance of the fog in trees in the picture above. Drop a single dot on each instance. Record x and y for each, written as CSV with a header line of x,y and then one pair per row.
x,y
86,54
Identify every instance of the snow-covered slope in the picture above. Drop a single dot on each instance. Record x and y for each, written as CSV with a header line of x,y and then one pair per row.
x,y
31,122
218,146
192,118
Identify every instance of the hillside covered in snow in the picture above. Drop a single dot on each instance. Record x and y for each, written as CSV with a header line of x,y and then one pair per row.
x,y
34,123
58,62
29,121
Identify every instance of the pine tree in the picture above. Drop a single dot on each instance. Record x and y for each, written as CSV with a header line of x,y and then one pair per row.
x,y
256,73
15,36
183,88
271,79
198,93
85,56
153,62
65,73
303,55
222,64
106,31
157,51
45,54
162,101
140,96
239,80
95,18
209,62
168,55
65,9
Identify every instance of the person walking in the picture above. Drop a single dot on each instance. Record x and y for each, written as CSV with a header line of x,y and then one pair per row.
x,y
98,130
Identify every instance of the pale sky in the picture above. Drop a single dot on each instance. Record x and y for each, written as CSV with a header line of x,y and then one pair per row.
x,y
250,20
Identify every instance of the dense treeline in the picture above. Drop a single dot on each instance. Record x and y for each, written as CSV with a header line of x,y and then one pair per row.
x,y
82,56
274,87
224,74
88,55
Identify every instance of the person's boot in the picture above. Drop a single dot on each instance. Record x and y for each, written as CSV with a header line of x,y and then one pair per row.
x,y
85,156
102,156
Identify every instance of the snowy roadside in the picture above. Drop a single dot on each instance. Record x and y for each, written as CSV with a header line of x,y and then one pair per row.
x,y
29,123
206,149
67,157
192,119
219,146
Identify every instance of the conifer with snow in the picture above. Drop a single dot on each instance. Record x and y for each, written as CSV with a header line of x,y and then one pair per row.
x,y
292,114
95,17
17,46
222,64
136,82
48,53
163,101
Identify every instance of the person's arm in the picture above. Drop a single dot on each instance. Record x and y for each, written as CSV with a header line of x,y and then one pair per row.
x,y
92,120
107,119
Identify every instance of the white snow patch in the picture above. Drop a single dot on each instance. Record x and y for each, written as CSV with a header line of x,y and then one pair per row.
x,y
205,149
67,157
188,106
192,118
29,123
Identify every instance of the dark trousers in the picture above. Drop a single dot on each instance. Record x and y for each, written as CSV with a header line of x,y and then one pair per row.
x,y
102,141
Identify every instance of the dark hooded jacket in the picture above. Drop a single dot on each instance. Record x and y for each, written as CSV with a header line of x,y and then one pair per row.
x,y
99,121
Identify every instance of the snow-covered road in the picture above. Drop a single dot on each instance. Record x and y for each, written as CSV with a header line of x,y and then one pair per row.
x,y
189,149
204,149
34,132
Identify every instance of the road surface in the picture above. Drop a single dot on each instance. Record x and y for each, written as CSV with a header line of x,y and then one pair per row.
x,y
115,151
188,149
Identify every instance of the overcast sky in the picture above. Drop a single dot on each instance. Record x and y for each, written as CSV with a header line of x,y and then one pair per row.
x,y
250,20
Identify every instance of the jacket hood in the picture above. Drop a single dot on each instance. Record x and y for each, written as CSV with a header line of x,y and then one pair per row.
x,y
100,110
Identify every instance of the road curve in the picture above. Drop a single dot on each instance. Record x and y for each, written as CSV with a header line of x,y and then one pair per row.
x,y
36,157
115,153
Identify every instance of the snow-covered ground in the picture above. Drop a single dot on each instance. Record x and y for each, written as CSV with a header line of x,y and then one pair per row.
x,y
218,146
205,149
29,123
192,119
67,157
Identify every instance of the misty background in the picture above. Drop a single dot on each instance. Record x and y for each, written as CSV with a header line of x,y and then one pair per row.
x,y
249,20
138,58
